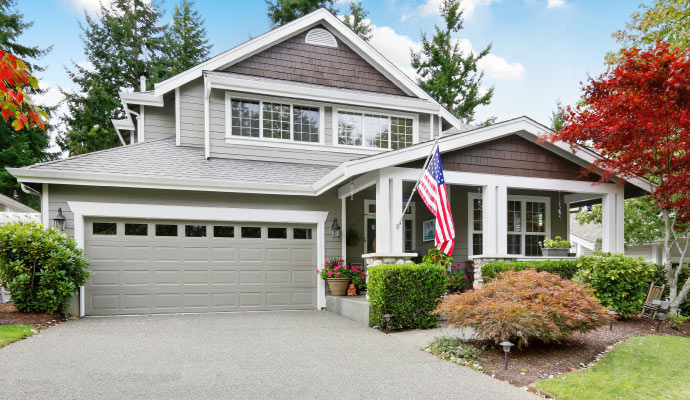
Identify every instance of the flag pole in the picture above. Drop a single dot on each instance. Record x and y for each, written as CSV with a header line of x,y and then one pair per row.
x,y
416,185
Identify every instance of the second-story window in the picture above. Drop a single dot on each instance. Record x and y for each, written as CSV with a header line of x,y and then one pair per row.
x,y
276,120
306,124
374,130
245,118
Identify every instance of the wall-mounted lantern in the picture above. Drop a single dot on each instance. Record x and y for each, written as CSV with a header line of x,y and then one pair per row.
x,y
59,220
335,228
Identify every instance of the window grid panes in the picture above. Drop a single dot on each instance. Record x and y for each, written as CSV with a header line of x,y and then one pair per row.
x,y
401,132
477,214
104,228
532,248
136,229
536,216
277,233
301,233
514,216
477,237
166,230
305,124
349,129
276,123
375,130
245,118
477,243
220,231
195,230
514,244
409,235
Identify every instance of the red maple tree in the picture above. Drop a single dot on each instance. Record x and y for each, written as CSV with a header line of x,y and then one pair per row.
x,y
637,116
14,76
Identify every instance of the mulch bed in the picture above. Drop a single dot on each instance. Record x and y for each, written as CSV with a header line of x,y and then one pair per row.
x,y
539,361
10,316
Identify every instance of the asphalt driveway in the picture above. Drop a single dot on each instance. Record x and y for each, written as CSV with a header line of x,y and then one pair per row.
x,y
286,355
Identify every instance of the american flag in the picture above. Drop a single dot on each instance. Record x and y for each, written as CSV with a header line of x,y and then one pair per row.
x,y
432,189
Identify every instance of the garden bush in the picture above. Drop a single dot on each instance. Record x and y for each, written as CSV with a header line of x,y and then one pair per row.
x,y
619,282
409,292
566,269
40,268
524,306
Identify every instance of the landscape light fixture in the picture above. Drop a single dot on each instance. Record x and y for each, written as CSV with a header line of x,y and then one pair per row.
x,y
59,220
387,317
506,349
661,317
335,228
613,315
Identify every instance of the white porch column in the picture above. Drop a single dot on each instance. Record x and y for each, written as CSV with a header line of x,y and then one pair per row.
x,y
495,219
396,208
612,222
343,233
383,220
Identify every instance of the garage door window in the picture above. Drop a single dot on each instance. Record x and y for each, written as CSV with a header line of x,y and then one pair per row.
x,y
166,230
223,231
104,228
136,229
195,230
277,233
251,232
301,233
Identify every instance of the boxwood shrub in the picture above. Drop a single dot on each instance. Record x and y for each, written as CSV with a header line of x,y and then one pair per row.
x,y
41,268
618,281
566,269
409,292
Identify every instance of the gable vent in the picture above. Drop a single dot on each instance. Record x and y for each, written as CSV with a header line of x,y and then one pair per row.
x,y
320,37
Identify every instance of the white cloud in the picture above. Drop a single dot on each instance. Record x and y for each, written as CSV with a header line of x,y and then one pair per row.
x,y
555,3
90,6
432,7
396,48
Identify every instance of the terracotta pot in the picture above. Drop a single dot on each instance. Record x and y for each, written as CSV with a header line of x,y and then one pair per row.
x,y
338,286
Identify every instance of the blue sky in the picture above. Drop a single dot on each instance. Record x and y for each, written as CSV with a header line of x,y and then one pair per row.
x,y
542,49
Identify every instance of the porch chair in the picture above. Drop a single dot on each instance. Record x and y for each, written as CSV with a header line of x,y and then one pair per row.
x,y
653,302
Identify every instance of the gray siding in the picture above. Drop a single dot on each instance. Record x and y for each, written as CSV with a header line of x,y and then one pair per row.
x,y
159,122
59,195
192,114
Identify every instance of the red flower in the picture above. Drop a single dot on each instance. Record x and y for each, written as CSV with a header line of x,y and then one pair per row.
x,y
451,278
464,277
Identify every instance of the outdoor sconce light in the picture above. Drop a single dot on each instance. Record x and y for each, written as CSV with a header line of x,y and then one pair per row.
x,y
506,349
661,317
387,317
613,315
59,220
335,228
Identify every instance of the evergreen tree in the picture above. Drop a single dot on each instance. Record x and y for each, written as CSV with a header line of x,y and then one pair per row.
x,y
122,44
449,75
356,20
557,117
27,146
185,42
280,12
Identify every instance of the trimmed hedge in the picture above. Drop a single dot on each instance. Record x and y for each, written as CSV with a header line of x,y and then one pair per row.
x,y
409,292
618,281
566,269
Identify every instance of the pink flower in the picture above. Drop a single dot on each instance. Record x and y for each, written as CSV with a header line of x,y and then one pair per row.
x,y
464,277
337,273
363,276
451,278
336,268
355,268
330,273
453,267
317,271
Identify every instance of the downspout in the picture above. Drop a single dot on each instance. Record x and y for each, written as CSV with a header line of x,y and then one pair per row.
x,y
29,190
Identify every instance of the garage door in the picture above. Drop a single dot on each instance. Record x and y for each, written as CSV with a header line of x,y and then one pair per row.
x,y
141,267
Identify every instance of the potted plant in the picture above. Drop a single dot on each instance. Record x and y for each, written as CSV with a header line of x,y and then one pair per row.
x,y
457,279
352,237
556,247
339,275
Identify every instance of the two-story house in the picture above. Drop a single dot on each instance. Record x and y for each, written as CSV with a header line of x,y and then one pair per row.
x,y
238,177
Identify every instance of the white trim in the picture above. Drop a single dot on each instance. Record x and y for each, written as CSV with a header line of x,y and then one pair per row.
x,y
141,98
83,210
207,120
271,142
343,233
45,205
141,125
178,123
306,91
362,112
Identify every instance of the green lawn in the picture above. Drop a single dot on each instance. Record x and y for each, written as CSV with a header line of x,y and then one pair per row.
x,y
12,333
648,367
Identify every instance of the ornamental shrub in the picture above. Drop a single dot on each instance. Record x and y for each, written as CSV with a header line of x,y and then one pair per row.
x,y
409,292
619,282
436,256
336,268
41,268
556,243
566,269
526,306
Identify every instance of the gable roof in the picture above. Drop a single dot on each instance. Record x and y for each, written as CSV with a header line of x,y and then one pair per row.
x,y
260,43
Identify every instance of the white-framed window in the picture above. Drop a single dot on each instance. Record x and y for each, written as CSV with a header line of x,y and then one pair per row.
x,y
529,223
374,130
408,226
272,120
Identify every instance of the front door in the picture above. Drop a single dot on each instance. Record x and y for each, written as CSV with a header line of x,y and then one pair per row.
x,y
371,235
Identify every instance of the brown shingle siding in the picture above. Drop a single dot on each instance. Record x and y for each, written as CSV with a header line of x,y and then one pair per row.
x,y
295,60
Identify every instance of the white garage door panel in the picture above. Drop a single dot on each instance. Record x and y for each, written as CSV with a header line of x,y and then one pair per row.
x,y
165,274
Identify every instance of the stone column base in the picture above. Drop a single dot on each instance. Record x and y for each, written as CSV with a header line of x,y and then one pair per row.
x,y
374,259
480,261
